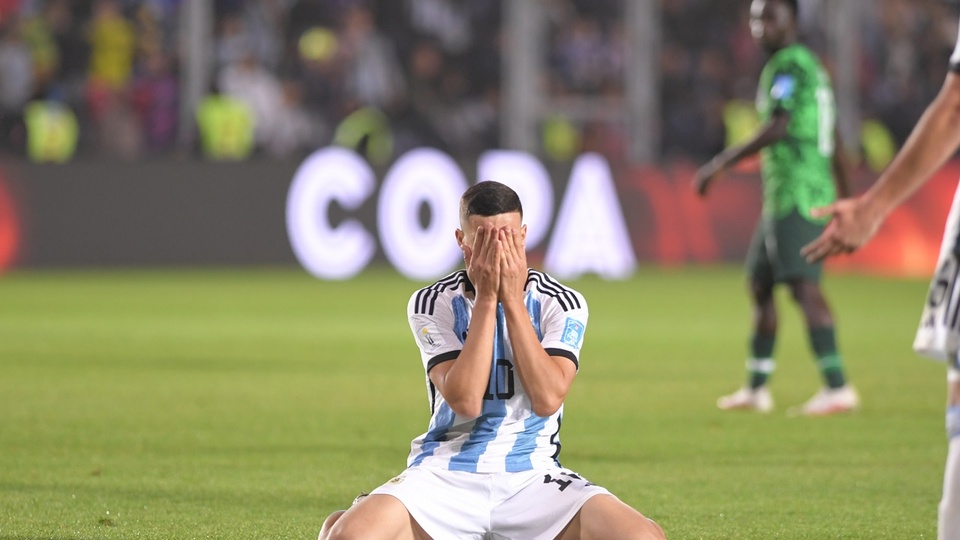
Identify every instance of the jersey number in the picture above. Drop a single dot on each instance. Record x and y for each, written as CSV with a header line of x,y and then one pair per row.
x,y
564,484
501,381
826,121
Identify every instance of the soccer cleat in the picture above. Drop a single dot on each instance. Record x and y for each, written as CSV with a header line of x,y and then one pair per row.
x,y
829,401
747,399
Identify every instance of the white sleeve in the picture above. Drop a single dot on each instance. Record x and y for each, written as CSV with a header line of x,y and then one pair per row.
x,y
955,57
434,333
563,326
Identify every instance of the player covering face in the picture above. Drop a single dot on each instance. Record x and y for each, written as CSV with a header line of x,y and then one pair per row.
x,y
500,345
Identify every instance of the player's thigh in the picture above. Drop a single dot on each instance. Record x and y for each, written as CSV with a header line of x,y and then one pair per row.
x,y
758,266
791,233
605,517
377,517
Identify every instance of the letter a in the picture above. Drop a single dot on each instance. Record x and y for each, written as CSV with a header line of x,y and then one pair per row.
x,y
590,234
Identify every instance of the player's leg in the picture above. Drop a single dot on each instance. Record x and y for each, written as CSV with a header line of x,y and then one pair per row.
x,y
332,518
820,330
605,517
559,503
760,364
949,515
328,524
792,232
376,517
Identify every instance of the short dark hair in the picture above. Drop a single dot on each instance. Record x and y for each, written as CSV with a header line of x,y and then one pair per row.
x,y
489,198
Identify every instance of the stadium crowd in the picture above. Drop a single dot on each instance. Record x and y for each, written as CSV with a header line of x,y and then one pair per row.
x,y
289,76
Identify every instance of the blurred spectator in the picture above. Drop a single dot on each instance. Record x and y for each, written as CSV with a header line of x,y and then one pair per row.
x,y
297,131
373,73
16,84
226,127
155,99
251,83
113,44
52,131
431,68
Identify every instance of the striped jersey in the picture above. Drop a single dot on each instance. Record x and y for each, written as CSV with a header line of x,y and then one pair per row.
x,y
507,436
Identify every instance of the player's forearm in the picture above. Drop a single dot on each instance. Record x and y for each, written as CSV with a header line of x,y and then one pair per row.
x,y
544,382
771,132
466,381
932,142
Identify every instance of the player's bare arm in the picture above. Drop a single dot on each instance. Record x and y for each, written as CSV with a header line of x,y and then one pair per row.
x,y
932,142
462,382
771,132
546,378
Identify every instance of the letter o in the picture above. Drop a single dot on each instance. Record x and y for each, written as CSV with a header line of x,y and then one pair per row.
x,y
421,176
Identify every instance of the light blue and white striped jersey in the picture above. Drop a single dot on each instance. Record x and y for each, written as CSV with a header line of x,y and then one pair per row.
x,y
507,436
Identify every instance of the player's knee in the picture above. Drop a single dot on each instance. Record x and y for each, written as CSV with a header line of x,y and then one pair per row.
x,y
654,532
328,525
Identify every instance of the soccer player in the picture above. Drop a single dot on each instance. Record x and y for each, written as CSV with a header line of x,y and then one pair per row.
x,y
799,166
500,344
934,139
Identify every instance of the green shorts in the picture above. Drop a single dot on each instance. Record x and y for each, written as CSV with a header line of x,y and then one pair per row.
x,y
774,254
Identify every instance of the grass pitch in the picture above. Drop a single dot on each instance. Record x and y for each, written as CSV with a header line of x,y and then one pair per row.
x,y
250,404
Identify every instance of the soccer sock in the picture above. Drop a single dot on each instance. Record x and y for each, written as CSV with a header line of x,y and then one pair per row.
x,y
949,515
824,344
761,363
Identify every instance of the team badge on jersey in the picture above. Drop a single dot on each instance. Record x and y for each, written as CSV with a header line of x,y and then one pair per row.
x,y
572,333
783,86
429,336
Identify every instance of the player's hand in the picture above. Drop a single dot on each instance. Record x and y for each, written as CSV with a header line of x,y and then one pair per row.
x,y
483,262
851,226
704,176
513,264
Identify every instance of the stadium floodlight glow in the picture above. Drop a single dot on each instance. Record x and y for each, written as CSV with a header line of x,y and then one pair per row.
x,y
590,234
529,178
327,175
423,176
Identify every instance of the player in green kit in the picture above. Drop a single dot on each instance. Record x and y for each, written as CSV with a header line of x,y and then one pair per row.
x,y
799,166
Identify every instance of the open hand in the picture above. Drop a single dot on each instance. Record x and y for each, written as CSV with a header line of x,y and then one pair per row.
x,y
483,261
513,264
851,226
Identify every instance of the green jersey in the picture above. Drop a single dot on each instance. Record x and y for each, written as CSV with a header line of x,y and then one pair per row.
x,y
797,170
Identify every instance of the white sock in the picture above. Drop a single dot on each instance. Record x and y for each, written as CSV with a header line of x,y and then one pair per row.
x,y
948,527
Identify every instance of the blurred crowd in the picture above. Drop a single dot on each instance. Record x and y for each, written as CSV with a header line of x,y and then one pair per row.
x,y
102,77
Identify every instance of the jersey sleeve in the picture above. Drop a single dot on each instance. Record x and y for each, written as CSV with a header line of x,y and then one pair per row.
x,y
563,322
433,332
784,86
955,57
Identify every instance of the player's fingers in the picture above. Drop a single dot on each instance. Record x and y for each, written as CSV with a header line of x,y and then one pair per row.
x,y
819,249
510,244
484,244
823,211
818,245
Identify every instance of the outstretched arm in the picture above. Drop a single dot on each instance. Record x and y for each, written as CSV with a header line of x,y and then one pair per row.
x,y
934,139
771,132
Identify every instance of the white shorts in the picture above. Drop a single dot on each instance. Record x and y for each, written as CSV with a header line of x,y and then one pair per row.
x,y
528,505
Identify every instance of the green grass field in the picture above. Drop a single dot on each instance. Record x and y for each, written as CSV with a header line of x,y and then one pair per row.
x,y
250,404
